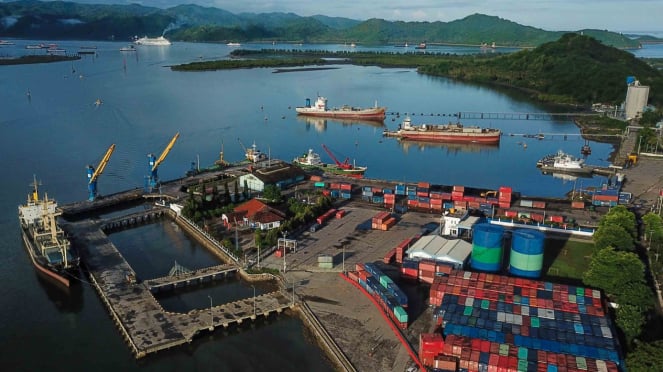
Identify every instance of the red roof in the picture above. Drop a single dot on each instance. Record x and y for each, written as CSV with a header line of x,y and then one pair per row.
x,y
259,212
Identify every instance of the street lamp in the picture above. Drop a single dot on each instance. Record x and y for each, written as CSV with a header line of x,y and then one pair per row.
x,y
211,317
343,245
285,234
254,299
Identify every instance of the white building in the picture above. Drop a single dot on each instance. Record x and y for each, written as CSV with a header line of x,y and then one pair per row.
x,y
452,224
636,100
433,247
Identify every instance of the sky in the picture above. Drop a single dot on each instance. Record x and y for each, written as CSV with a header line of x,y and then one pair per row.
x,y
551,15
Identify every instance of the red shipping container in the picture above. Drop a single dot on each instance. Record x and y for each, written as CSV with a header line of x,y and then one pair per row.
x,y
539,204
346,186
340,213
315,178
504,204
424,185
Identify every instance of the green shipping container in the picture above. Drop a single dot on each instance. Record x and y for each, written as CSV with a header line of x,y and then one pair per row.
x,y
504,350
385,281
467,311
522,365
535,322
320,184
522,353
401,314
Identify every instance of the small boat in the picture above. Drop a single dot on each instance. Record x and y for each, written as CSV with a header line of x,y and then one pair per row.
x,y
5,42
311,160
451,132
129,48
320,109
98,102
35,46
45,242
586,149
420,46
231,44
563,162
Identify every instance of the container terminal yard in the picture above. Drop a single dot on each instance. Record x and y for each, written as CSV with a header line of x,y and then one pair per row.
x,y
343,274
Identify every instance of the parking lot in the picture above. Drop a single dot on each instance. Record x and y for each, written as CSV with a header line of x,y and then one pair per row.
x,y
350,236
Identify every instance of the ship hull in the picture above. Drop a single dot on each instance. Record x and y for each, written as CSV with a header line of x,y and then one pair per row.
x,y
41,267
461,138
365,114
357,172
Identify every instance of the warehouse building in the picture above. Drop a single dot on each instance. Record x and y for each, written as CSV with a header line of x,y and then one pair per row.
x,y
455,252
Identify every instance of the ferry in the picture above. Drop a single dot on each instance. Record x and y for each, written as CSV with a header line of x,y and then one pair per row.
x,y
452,132
320,109
45,242
158,41
234,44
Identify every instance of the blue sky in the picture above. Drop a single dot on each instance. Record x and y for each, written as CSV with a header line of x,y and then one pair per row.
x,y
552,15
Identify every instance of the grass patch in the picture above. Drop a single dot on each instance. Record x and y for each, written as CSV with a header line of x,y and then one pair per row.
x,y
566,258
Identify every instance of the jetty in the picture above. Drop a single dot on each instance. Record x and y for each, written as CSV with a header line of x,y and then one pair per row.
x,y
145,326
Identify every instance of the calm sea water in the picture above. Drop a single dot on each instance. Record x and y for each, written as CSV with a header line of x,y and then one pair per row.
x,y
57,130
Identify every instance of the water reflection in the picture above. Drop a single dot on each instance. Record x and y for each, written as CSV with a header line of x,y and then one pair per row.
x,y
65,299
320,124
447,148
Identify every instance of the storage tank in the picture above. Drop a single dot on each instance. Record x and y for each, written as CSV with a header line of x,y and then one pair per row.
x,y
526,253
487,247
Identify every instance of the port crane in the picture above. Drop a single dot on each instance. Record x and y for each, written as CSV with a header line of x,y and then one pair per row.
x,y
154,162
346,163
93,174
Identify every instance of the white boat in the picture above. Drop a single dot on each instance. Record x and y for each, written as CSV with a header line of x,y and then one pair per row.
x,y
5,42
157,41
234,44
563,162
129,48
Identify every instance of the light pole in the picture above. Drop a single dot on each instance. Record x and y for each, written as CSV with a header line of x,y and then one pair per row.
x,y
211,317
285,234
254,299
343,245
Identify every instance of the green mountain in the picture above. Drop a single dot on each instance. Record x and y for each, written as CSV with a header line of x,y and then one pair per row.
x,y
574,69
67,20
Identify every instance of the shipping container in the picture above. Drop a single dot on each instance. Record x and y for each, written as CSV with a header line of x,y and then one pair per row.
x,y
315,178
320,184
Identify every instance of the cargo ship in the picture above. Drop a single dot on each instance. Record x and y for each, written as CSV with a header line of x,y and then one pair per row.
x,y
49,249
320,109
157,41
452,132
311,160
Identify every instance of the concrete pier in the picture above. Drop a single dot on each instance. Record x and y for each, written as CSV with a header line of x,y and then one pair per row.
x,y
144,324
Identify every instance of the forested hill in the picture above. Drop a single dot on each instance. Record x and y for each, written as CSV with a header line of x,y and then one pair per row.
x,y
66,20
574,69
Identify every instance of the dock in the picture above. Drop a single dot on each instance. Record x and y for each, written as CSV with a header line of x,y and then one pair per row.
x,y
145,326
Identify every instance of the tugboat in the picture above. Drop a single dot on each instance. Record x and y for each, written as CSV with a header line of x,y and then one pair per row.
x,y
586,150
49,249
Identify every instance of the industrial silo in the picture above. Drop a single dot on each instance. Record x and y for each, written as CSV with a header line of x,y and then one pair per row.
x,y
487,247
526,253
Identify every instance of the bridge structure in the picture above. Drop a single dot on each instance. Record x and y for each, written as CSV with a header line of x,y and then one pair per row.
x,y
180,276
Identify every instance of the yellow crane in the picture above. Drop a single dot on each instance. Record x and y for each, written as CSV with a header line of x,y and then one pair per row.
x,y
153,178
93,174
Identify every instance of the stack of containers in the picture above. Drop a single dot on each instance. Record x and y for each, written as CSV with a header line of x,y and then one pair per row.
x,y
390,256
335,189
606,198
435,200
504,200
423,199
346,190
390,298
487,247
378,196
325,261
410,269
383,221
526,313
427,271
484,355
400,189
403,247
411,192
389,198
430,345
366,193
